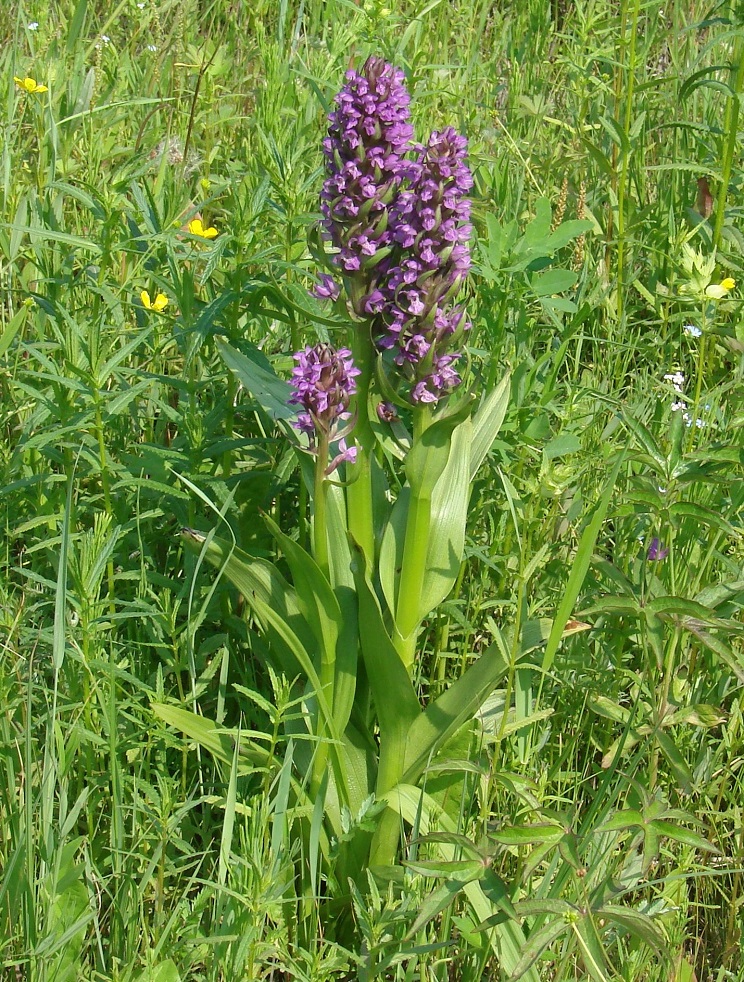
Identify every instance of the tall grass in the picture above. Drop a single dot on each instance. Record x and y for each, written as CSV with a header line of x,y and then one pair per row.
x,y
602,782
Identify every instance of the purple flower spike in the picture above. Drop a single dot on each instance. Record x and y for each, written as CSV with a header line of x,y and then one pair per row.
x,y
326,288
656,551
430,223
398,217
323,383
365,152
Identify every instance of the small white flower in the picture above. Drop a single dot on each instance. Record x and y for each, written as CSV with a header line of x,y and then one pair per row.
x,y
152,47
692,331
105,38
677,406
141,6
33,26
677,379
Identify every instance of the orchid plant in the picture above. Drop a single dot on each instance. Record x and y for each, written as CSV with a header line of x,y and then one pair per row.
x,y
390,443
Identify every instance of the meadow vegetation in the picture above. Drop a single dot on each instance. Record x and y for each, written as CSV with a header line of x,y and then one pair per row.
x,y
159,817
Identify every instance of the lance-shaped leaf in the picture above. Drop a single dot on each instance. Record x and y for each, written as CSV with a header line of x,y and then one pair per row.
x,y
459,703
447,504
487,420
395,698
261,585
449,513
266,592
336,637
506,938
271,392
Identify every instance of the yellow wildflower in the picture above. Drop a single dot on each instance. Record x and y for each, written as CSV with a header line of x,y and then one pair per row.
x,y
717,291
158,304
196,227
29,85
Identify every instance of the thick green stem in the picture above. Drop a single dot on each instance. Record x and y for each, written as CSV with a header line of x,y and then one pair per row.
x,y
320,552
384,849
359,492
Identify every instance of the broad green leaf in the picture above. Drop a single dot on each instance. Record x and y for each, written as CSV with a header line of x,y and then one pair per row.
x,y
445,715
534,946
506,938
627,819
442,897
271,392
680,834
219,742
560,446
689,611
552,281
487,420
579,568
525,835
448,518
12,328
678,764
636,923
395,698
604,706
162,972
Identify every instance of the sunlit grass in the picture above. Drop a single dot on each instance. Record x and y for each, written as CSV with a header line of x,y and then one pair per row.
x,y
160,167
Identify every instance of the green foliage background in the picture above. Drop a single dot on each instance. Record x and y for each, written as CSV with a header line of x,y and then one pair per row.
x,y
603,783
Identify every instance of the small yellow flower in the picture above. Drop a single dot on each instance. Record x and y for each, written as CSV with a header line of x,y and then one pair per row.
x,y
205,184
29,85
158,304
717,291
196,227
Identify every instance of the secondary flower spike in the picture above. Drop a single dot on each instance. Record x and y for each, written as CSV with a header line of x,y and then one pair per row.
x,y
323,383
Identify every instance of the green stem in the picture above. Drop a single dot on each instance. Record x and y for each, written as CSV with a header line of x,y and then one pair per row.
x,y
623,183
385,842
320,529
107,501
702,351
320,553
359,492
731,129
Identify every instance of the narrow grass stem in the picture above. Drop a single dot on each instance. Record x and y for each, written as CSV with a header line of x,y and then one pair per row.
x,y
625,166
730,130
111,582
